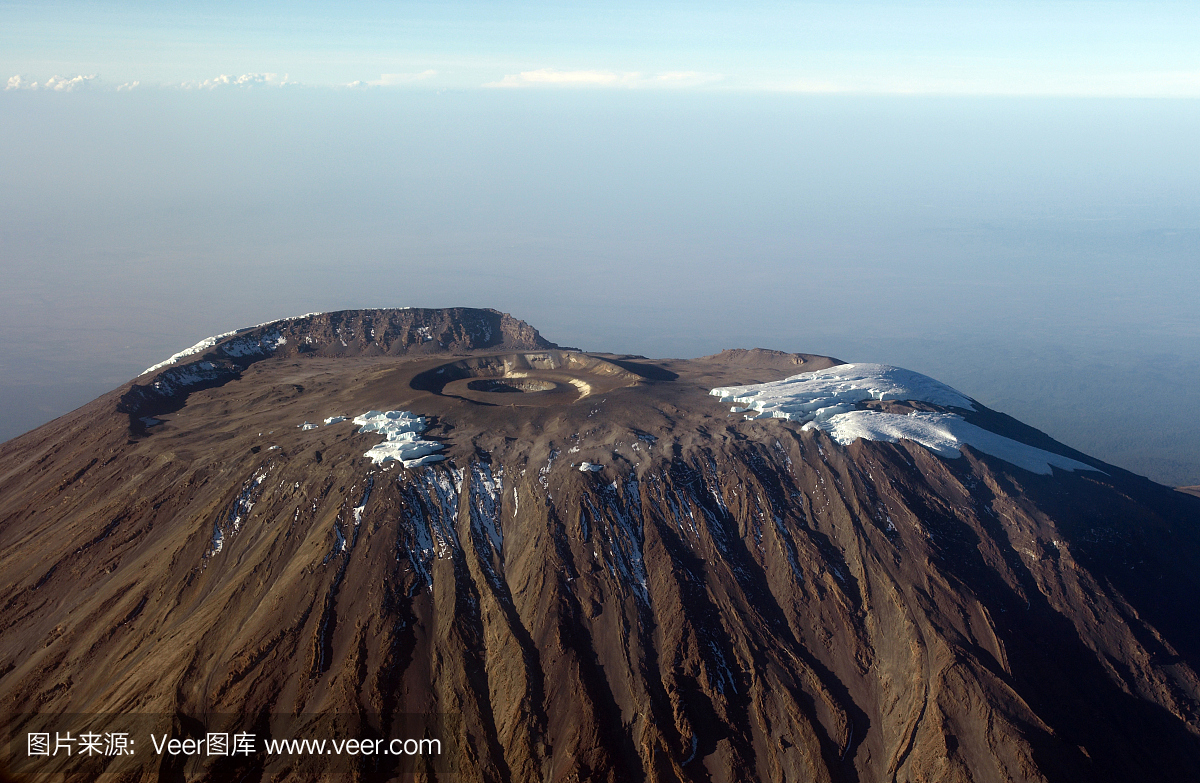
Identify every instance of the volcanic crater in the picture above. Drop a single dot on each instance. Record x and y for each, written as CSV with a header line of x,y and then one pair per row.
x,y
599,568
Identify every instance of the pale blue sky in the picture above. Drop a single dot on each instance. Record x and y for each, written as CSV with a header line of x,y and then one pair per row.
x,y
976,48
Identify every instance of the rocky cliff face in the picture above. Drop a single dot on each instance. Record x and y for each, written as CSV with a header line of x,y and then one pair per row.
x,y
609,577
344,334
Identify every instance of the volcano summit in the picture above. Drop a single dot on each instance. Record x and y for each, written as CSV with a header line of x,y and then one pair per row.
x,y
749,566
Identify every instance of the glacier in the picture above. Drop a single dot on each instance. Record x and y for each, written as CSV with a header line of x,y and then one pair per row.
x,y
401,430
200,347
818,395
244,348
828,399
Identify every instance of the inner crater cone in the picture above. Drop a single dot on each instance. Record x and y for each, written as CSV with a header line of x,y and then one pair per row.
x,y
510,385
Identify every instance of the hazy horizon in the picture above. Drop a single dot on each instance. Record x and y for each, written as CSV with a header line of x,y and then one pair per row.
x,y
1038,254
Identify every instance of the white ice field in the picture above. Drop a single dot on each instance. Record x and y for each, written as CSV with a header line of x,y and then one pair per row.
x,y
402,431
828,400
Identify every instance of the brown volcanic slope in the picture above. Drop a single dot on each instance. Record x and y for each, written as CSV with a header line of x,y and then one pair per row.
x,y
723,600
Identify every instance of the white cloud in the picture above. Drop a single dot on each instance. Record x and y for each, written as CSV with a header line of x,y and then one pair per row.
x,y
593,78
245,80
55,83
61,84
953,79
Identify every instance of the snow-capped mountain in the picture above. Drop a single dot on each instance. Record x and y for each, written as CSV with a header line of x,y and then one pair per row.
x,y
749,566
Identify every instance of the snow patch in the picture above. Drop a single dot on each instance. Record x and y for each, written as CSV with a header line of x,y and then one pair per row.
x,y
827,400
401,431
586,467
943,434
174,380
624,534
484,494
544,472
362,506
230,523
246,346
818,395
269,342
334,420
200,347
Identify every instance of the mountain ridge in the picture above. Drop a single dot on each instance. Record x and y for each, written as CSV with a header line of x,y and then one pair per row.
x,y
723,598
